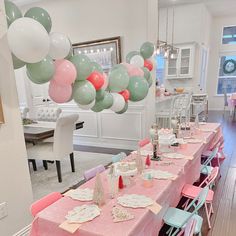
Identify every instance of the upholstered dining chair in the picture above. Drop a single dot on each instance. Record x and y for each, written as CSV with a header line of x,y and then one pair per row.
x,y
48,113
60,148
118,157
143,142
24,112
44,202
89,174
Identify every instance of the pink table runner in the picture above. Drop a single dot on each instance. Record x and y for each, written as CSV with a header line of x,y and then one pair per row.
x,y
164,192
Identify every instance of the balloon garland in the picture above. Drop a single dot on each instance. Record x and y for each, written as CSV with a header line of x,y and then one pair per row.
x,y
48,57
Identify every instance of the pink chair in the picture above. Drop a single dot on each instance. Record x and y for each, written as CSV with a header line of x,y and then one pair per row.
x,y
143,142
44,202
89,174
191,191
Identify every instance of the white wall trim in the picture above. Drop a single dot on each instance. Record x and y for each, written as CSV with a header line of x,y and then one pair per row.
x,y
23,232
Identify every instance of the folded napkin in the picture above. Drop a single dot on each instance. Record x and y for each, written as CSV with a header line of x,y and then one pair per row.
x,y
71,228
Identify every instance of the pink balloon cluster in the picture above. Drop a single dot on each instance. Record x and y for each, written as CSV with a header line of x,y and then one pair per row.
x,y
133,70
60,87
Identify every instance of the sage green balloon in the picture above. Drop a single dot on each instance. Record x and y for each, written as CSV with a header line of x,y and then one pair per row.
x,y
107,100
147,73
124,109
98,107
41,72
118,80
130,55
17,63
83,92
100,94
96,67
150,81
138,88
83,66
12,12
147,50
40,15
118,66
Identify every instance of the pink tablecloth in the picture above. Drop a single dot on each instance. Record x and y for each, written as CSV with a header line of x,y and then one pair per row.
x,y
164,192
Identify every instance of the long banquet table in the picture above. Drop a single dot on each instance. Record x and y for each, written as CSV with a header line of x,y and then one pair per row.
x,y
165,192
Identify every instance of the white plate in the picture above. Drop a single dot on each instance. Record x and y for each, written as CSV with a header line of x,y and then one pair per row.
x,y
174,156
134,201
83,213
193,140
82,194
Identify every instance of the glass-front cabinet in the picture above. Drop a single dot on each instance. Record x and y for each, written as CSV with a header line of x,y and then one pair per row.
x,y
183,65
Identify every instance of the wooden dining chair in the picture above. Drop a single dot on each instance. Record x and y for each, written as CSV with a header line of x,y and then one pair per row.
x,y
60,148
44,202
89,174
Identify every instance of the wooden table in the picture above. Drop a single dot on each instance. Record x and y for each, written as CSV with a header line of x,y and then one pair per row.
x,y
35,133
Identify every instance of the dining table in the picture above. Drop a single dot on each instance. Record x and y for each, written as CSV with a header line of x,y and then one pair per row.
x,y
165,192
41,130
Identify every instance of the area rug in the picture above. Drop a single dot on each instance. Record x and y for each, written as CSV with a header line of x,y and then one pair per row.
x,y
45,181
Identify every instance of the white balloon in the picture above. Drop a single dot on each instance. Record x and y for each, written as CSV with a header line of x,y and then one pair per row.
x,y
28,40
106,81
118,102
87,107
59,46
137,60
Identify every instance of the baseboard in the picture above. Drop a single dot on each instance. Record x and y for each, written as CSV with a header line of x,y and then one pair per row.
x,y
23,232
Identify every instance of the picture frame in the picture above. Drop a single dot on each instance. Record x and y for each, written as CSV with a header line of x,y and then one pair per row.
x,y
2,121
106,52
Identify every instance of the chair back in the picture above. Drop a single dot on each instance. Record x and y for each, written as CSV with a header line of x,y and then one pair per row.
x,y
63,136
44,202
213,154
89,174
143,142
48,114
118,157
211,177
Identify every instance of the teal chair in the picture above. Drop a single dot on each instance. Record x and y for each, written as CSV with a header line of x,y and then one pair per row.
x,y
206,167
177,218
118,157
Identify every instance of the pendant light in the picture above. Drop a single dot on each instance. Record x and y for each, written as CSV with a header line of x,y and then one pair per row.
x,y
173,51
166,51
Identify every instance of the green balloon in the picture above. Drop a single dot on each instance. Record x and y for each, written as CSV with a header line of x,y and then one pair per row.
x,y
138,88
41,72
98,107
118,79
100,94
40,15
150,81
147,50
118,66
83,92
12,12
83,66
17,63
147,73
124,109
130,55
107,100
96,67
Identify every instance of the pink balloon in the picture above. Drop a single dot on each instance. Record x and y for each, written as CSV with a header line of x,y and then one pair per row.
x,y
59,93
106,81
65,72
133,70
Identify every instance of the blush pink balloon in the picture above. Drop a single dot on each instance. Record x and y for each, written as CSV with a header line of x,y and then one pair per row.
x,y
65,72
59,93
133,70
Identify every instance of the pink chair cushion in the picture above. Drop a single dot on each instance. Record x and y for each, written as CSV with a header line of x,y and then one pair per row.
x,y
143,142
191,191
44,202
89,174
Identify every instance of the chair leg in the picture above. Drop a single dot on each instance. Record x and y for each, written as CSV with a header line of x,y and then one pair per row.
x,y
208,214
45,165
34,164
72,162
58,164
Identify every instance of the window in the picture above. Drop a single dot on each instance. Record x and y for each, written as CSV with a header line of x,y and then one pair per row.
x,y
229,35
227,75
160,71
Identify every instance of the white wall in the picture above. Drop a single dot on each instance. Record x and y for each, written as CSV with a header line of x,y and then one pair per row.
x,y
14,173
217,102
135,21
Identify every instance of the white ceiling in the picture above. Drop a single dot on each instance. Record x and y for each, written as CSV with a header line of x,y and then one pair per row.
x,y
216,7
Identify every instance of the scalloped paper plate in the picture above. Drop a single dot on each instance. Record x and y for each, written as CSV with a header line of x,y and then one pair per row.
x,y
81,194
134,201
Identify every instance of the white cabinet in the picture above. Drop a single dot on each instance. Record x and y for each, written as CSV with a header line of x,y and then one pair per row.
x,y
183,65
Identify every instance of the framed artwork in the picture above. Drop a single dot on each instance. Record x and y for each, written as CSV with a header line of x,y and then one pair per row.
x,y
1,113
106,52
